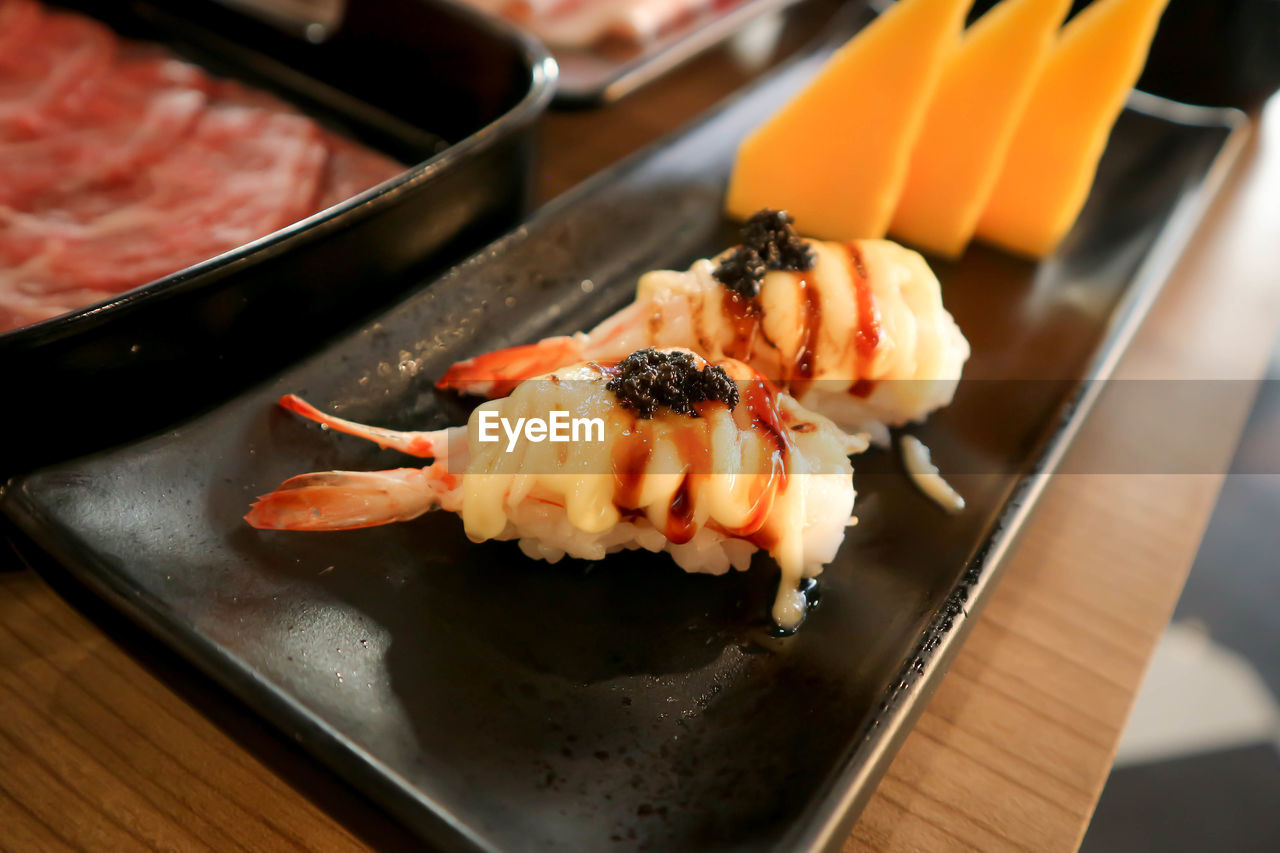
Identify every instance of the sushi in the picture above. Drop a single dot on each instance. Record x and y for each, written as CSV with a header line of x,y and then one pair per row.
x,y
707,462
856,331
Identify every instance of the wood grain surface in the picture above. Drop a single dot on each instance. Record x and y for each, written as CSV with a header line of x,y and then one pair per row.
x,y
108,741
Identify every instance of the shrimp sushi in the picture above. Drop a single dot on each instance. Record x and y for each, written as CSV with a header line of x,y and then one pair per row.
x,y
707,462
856,330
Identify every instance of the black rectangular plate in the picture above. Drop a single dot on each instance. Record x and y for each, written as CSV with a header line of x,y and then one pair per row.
x,y
493,702
398,75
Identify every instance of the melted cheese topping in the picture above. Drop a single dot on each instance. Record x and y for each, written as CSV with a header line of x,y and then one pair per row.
x,y
919,464
768,472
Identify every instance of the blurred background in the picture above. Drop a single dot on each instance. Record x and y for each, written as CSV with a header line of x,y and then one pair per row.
x,y
1199,766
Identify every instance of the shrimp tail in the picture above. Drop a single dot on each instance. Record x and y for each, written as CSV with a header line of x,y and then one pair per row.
x,y
348,500
428,445
497,373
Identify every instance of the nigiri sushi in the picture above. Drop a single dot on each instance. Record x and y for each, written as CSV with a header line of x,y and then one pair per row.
x,y
856,331
708,462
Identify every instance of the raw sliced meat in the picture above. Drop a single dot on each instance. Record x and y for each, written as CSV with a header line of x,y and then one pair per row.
x,y
235,92
123,92
120,164
352,169
241,174
17,19
49,59
110,128
19,309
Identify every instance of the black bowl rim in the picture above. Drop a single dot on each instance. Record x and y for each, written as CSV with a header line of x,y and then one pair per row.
x,y
543,74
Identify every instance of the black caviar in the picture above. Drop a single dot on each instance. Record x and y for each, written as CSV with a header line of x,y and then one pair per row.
x,y
648,379
742,272
769,232
768,243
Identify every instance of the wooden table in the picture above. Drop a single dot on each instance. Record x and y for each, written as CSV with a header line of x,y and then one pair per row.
x,y
110,742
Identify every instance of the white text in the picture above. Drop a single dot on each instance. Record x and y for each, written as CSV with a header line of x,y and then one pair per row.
x,y
557,427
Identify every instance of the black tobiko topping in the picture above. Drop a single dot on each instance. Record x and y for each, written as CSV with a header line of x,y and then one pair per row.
x,y
648,379
768,243
742,272
769,232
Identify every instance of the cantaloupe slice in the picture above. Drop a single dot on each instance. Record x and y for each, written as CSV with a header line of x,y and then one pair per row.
x,y
983,92
836,155
1054,154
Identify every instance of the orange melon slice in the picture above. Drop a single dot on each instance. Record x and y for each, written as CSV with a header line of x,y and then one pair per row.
x,y
836,155
983,92
1054,155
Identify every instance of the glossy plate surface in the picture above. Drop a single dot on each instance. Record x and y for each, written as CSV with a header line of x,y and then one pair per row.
x,y
497,703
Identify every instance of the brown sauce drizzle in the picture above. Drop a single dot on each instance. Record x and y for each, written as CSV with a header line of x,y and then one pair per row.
x,y
866,338
693,444
762,405
694,447
680,522
862,388
630,458
761,400
805,364
744,315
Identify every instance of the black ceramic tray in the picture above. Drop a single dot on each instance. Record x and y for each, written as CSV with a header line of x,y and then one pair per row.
x,y
591,77
398,75
492,702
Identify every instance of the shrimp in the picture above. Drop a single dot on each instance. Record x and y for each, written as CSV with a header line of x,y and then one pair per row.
x,y
861,337
348,500
708,463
